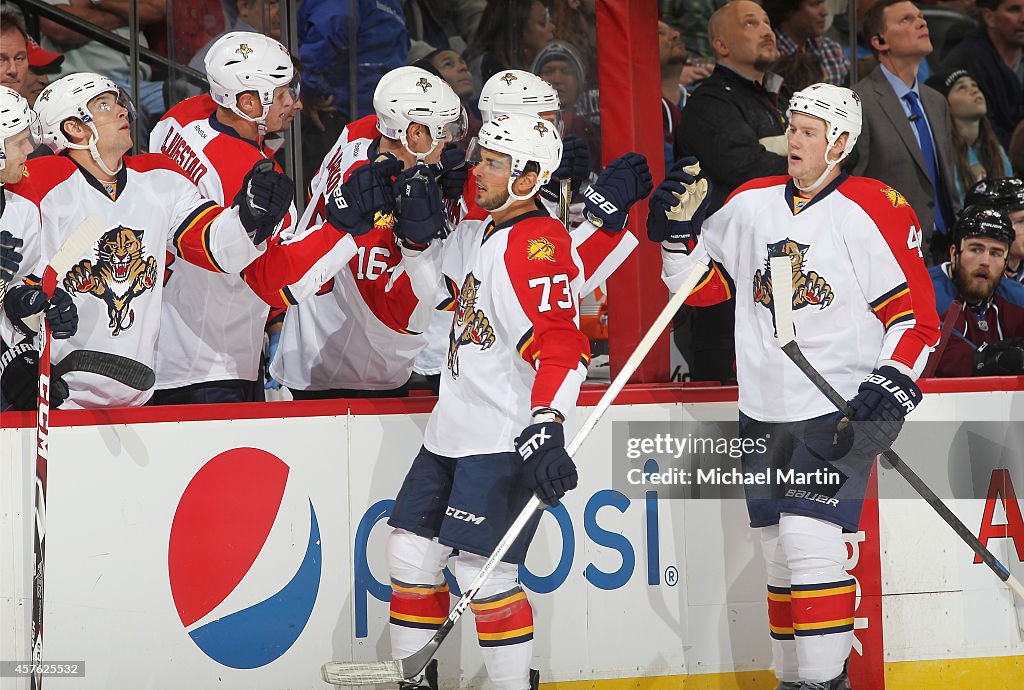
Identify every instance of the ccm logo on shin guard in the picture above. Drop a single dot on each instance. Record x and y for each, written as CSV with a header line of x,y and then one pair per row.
x,y
534,443
901,396
464,516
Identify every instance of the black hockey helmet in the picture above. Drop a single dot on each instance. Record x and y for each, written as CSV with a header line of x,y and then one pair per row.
x,y
1004,193
979,221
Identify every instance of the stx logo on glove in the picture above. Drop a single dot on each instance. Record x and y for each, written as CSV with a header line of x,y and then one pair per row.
x,y
534,443
602,202
901,396
464,516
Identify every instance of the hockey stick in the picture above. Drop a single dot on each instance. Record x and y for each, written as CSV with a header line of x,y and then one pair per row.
x,y
401,670
782,285
564,200
122,369
76,244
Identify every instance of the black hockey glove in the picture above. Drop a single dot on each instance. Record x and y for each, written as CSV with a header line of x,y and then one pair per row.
x,y
354,204
421,215
1001,358
19,379
548,471
451,172
23,301
574,166
678,206
263,200
883,401
10,257
622,183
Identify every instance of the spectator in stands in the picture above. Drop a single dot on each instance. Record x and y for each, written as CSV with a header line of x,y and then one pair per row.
x,y
509,36
1004,194
85,55
41,64
450,66
690,18
193,25
382,44
800,26
560,65
906,140
798,71
1016,150
976,150
576,23
672,56
735,127
13,51
255,16
993,53
982,314
441,24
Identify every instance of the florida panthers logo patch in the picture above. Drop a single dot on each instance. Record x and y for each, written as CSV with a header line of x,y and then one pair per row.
x,y
540,249
894,197
809,288
470,325
119,275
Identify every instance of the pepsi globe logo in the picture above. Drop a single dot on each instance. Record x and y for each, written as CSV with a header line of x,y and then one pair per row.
x,y
244,575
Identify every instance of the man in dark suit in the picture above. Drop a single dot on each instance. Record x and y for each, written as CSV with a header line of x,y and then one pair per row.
x,y
906,140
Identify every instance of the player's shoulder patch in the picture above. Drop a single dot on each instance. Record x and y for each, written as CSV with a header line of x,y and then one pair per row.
x,y
540,238
45,173
759,183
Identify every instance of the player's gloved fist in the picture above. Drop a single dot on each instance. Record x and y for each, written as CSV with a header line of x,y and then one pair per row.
x,y
420,215
451,172
62,315
10,257
678,206
548,471
354,204
622,183
884,399
1001,358
19,379
574,166
263,200
23,301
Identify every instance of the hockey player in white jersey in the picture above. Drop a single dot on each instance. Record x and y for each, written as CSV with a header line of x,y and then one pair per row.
x,y
148,207
516,360
211,332
865,318
19,254
359,335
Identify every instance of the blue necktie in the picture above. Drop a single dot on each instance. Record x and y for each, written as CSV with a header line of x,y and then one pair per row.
x,y
928,151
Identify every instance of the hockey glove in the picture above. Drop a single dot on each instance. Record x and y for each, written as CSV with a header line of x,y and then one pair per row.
x,y
451,172
574,166
622,183
678,206
19,379
10,257
883,400
353,205
548,471
1001,358
263,200
421,215
23,301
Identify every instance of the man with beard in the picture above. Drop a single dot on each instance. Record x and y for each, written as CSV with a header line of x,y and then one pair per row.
x,y
983,315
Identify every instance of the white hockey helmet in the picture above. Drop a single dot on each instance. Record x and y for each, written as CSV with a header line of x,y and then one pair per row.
x,y
839,107
69,97
15,117
242,61
517,91
526,138
409,94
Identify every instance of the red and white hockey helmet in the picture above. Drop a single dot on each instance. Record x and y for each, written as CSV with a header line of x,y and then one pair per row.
x,y
839,107
517,91
69,97
526,139
242,61
409,94
15,117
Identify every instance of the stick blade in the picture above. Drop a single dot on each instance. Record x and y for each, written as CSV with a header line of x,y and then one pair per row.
x,y
355,673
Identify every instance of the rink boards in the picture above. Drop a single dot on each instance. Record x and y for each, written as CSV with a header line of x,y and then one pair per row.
x,y
245,552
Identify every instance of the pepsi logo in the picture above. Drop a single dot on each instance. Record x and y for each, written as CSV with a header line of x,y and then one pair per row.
x,y
244,558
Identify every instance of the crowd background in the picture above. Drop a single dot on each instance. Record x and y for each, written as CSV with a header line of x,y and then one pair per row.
x,y
726,75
